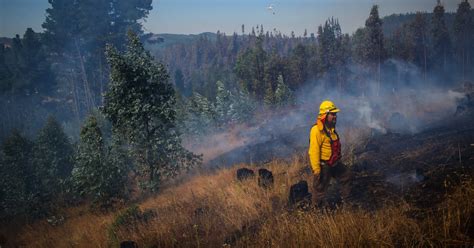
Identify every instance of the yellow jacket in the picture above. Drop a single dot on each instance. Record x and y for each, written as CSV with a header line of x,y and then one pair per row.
x,y
319,145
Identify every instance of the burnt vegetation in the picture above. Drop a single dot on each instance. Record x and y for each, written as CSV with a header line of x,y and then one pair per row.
x,y
117,162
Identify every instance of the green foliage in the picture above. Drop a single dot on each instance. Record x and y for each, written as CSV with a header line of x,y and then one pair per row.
x,y
52,158
179,81
34,174
464,36
100,172
76,33
140,104
299,66
242,107
200,115
276,65
358,45
250,68
333,52
441,40
269,99
223,102
419,40
17,184
25,68
119,165
70,23
374,51
283,94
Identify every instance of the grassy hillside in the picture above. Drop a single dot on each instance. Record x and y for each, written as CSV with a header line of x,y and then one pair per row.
x,y
215,210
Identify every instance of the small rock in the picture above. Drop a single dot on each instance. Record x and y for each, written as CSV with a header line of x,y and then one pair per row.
x,y
244,173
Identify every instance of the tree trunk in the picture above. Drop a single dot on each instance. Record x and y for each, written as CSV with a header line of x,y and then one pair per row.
x,y
424,66
379,77
444,59
76,108
89,100
101,76
463,64
468,63
424,57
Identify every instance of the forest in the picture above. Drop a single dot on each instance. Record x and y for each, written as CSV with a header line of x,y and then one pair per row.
x,y
94,110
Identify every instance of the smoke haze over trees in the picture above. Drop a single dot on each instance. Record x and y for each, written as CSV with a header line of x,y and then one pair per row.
x,y
219,80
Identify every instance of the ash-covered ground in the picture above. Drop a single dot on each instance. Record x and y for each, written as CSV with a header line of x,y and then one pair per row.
x,y
392,167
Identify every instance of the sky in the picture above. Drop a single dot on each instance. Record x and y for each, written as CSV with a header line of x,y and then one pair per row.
x,y
197,16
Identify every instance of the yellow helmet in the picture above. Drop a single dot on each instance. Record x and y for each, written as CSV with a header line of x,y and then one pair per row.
x,y
326,107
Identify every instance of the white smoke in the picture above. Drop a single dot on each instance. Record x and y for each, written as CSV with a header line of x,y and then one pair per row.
x,y
366,116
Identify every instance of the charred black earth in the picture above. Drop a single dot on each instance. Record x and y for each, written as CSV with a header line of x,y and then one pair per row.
x,y
420,169
416,168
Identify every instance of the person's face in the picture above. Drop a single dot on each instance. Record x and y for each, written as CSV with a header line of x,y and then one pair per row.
x,y
332,118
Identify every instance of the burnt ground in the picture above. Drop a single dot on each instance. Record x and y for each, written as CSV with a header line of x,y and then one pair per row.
x,y
416,168
419,169
283,145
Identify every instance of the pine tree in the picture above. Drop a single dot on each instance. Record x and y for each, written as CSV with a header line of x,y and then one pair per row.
x,y
441,39
283,94
18,185
242,107
250,68
332,52
274,66
358,45
201,115
418,38
269,99
118,166
100,172
463,36
374,51
61,25
52,158
88,173
298,65
223,101
179,81
76,33
27,67
140,105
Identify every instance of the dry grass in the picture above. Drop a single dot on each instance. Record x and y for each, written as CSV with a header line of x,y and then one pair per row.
x,y
215,210
81,229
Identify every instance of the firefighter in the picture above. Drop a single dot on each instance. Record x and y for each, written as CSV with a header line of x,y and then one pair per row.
x,y
325,154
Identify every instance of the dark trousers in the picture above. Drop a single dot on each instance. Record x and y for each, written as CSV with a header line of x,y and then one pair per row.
x,y
320,182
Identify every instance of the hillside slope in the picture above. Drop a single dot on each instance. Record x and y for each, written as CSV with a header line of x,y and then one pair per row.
x,y
408,190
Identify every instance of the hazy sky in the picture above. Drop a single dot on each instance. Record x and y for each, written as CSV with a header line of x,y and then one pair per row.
x,y
197,16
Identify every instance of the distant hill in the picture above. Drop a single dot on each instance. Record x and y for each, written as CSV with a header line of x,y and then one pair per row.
x,y
157,42
393,21
6,41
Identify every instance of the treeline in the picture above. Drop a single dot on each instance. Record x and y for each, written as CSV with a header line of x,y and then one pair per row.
x,y
270,68
133,140
82,70
63,70
256,59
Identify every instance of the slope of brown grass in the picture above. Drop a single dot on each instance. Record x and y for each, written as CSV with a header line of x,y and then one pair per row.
x,y
215,210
